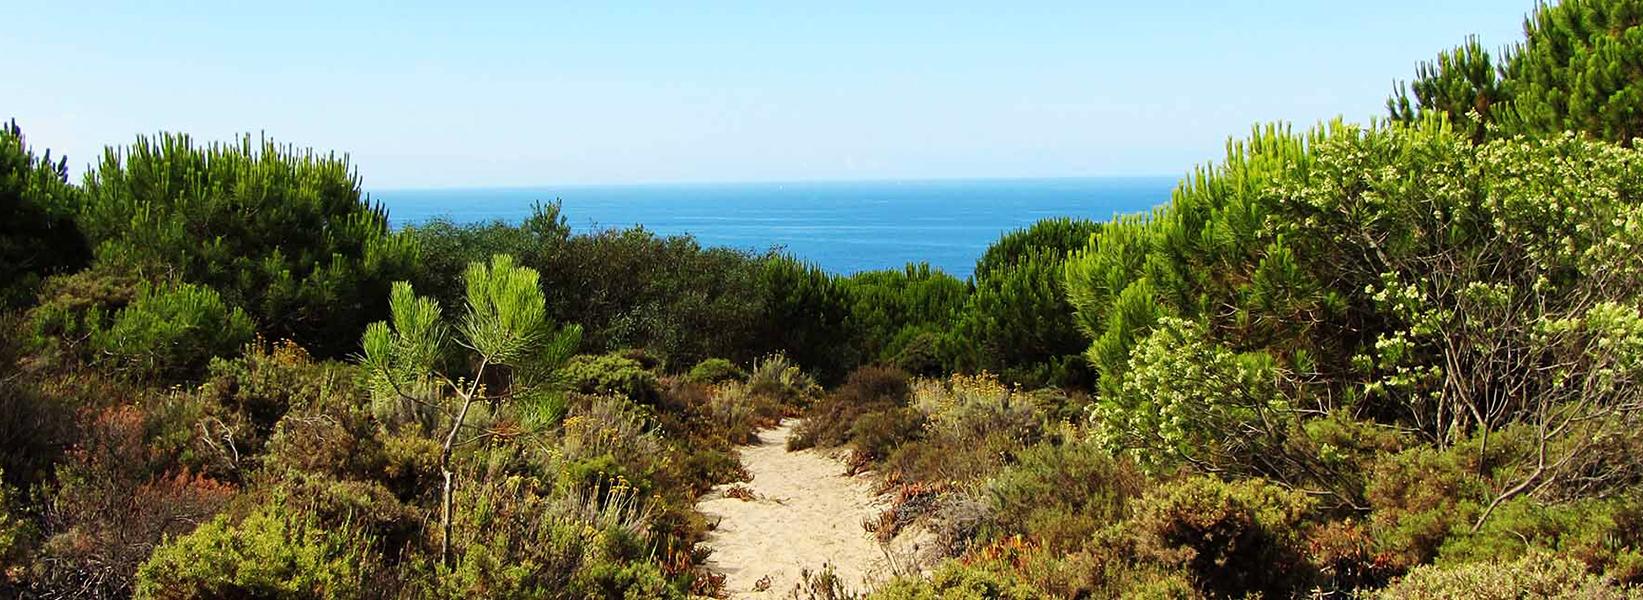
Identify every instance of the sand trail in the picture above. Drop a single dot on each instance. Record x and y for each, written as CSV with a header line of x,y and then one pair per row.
x,y
805,513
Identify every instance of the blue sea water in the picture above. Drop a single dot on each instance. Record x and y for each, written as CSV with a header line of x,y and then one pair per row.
x,y
843,227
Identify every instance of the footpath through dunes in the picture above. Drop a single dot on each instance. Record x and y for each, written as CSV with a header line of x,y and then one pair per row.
x,y
804,512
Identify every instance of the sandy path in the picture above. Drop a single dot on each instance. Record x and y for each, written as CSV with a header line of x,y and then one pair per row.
x,y
806,513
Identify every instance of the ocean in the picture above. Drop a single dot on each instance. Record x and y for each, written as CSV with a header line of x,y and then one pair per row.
x,y
843,227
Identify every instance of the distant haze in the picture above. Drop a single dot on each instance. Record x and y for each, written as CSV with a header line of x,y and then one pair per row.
x,y
528,93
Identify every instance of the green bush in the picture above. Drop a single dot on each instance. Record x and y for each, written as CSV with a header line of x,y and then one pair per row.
x,y
975,426
953,581
247,398
1063,494
716,370
1420,497
269,553
611,374
888,307
285,234
874,435
1532,576
1232,538
808,318
1187,400
1017,322
515,539
70,309
777,377
171,332
1606,535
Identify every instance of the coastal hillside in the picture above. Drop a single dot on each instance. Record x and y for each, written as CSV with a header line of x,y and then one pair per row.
x,y
1396,359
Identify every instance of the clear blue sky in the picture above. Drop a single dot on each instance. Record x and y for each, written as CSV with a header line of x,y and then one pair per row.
x,y
520,93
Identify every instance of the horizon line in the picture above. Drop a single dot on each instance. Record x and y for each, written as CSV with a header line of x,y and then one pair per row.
x,y
766,182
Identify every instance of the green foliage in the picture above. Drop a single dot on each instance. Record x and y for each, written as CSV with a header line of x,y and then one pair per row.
x,y
887,307
284,234
38,236
1575,70
956,582
778,377
1189,258
808,317
1604,534
506,328
1532,576
171,332
516,540
246,400
626,288
1420,497
611,374
17,532
716,370
1232,538
1464,84
269,553
1062,494
1186,400
974,426
1017,322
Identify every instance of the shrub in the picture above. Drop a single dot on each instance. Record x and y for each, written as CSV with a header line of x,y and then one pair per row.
x,y
1185,399
1419,498
611,374
285,234
889,307
1532,576
874,435
953,581
807,318
1563,76
115,498
35,427
1606,535
272,552
515,539
1017,322
247,398
975,427
172,332
70,309
18,536
779,378
1062,494
716,370
1232,538
869,389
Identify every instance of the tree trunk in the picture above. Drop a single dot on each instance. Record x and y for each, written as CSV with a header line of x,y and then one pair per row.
x,y
445,469
445,520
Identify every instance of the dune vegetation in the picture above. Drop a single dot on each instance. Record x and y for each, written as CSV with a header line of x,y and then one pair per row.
x,y
1397,359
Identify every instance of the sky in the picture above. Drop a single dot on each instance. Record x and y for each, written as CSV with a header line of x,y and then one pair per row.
x,y
482,94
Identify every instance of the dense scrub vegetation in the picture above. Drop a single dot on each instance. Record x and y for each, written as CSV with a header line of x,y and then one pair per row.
x,y
1401,359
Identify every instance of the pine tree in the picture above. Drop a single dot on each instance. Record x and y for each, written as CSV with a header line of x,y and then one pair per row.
x,y
514,351
38,235
285,234
1576,69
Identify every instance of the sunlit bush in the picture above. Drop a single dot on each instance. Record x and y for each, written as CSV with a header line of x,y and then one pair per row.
x,y
272,552
1532,576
